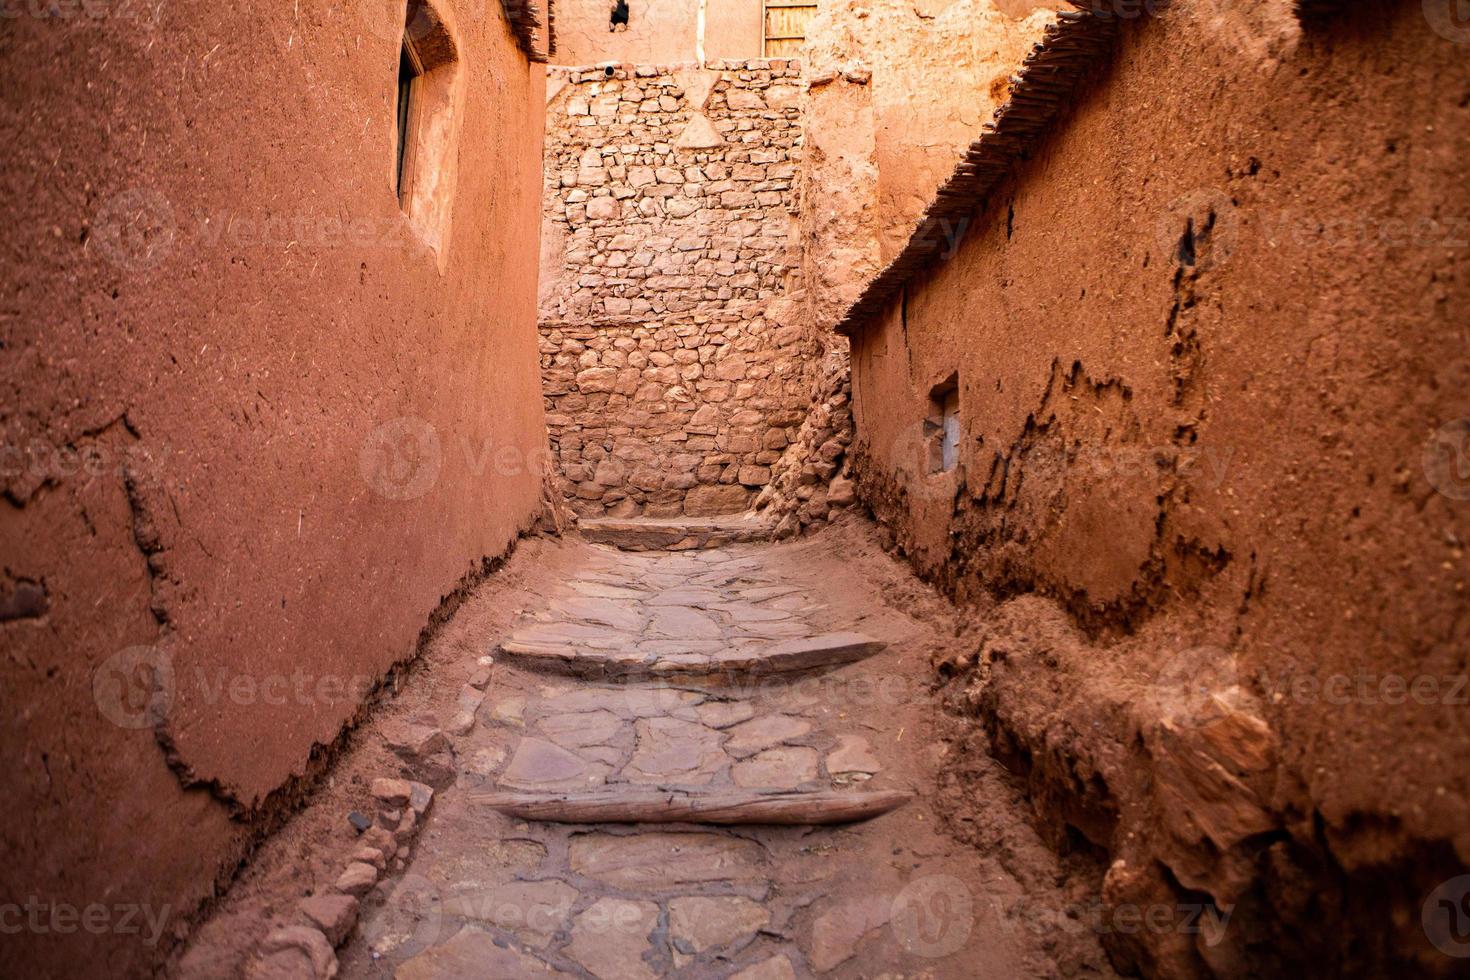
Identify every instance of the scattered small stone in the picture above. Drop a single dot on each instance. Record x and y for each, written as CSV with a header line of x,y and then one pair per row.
x,y
406,826
307,942
389,819
380,839
463,720
412,741
335,915
370,855
357,879
393,792
359,821
419,797
480,679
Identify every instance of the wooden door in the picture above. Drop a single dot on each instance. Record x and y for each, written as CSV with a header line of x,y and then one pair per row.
x,y
786,24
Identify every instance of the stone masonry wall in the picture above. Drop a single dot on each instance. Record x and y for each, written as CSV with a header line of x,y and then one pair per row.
x,y
673,370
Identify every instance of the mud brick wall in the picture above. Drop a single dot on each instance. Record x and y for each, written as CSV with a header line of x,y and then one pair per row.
x,y
672,373
243,391
1166,438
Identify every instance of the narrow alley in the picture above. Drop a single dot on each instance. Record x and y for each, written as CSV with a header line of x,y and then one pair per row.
x,y
735,489
798,702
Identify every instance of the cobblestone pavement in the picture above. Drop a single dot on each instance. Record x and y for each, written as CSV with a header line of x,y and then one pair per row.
x,y
657,709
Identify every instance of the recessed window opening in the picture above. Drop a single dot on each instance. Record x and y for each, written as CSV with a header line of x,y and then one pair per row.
x,y
619,18
943,425
428,109
410,69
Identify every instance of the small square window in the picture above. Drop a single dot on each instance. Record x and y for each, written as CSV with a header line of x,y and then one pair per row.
x,y
942,427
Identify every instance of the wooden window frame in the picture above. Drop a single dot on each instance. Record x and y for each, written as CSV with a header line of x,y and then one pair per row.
x,y
409,126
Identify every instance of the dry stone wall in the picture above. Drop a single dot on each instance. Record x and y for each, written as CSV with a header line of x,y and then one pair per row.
x,y
673,370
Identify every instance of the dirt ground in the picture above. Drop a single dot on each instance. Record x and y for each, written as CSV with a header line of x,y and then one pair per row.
x,y
954,884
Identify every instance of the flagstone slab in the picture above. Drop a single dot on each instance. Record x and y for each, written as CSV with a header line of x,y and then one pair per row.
x,y
666,860
473,954
533,910
783,768
674,751
763,733
704,922
586,728
612,939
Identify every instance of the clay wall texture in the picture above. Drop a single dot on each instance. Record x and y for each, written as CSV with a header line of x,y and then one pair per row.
x,y
299,426
672,376
1210,352
898,91
658,32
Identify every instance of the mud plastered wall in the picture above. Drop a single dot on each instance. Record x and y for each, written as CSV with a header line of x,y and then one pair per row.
x,y
895,94
674,372
656,31
1199,365
250,424
898,91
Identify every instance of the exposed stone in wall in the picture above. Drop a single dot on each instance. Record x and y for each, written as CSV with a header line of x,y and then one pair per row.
x,y
674,368
896,92
683,415
810,480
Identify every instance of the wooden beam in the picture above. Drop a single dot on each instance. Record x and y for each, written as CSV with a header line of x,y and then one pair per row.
x,y
721,807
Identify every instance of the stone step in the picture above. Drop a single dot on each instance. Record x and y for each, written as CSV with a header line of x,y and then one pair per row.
x,y
727,808
675,533
732,663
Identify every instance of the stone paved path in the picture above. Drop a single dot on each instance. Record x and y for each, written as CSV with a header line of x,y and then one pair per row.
x,y
488,895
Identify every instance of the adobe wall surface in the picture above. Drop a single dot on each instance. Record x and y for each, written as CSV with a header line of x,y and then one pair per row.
x,y
658,31
1201,363
898,91
895,94
297,432
673,372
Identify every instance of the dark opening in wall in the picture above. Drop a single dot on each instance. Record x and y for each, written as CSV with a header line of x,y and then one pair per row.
x,y
942,427
409,70
619,18
428,111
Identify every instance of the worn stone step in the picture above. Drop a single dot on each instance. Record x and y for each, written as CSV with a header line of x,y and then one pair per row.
x,y
675,533
727,808
734,662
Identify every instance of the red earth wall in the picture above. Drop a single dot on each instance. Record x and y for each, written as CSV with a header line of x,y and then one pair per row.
x,y
255,427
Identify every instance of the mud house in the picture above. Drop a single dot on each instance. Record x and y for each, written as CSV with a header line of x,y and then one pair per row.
x,y
271,376
1191,365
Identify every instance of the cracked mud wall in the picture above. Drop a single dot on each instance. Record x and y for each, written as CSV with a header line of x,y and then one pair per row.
x,y
1205,339
254,427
